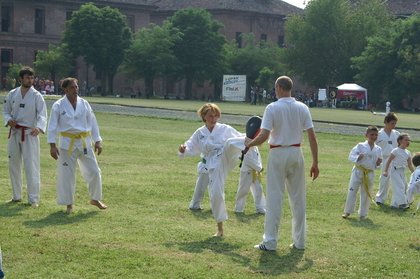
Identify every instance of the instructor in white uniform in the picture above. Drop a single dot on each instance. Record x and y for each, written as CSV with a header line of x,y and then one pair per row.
x,y
25,112
73,122
284,122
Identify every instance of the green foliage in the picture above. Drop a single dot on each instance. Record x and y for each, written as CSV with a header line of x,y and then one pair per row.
x,y
255,61
101,36
390,64
199,51
56,61
151,54
322,41
12,75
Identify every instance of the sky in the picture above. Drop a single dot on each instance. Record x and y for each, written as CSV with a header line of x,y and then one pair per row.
x,y
297,3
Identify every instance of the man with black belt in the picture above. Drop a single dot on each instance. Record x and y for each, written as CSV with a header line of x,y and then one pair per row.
x,y
284,122
25,112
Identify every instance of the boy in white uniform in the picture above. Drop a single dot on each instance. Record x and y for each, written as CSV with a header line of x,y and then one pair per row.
x,y
397,162
250,179
387,140
366,156
73,121
25,112
414,184
209,142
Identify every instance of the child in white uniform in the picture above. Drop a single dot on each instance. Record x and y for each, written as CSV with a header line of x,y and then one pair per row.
x,y
250,179
397,162
387,140
366,156
414,184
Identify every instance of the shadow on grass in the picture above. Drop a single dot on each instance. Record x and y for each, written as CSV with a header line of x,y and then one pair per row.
x,y
272,263
414,247
202,214
363,223
12,209
242,217
60,218
215,245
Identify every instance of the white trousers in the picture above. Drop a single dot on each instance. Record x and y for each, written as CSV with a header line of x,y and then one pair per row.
x,y
247,184
200,188
26,152
285,171
412,189
66,175
399,185
384,182
356,182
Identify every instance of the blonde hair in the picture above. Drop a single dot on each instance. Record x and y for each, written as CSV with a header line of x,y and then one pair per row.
x,y
208,107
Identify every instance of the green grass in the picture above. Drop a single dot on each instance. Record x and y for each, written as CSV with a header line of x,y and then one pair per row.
x,y
148,232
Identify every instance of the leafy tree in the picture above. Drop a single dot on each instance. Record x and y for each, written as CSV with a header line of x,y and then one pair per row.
x,y
200,50
100,36
12,75
322,41
265,78
55,61
390,64
151,54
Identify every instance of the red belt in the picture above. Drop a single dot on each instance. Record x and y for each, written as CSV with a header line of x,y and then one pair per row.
x,y
22,128
294,145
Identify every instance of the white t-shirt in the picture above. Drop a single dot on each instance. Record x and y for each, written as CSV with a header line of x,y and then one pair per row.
x,y
286,119
387,142
401,157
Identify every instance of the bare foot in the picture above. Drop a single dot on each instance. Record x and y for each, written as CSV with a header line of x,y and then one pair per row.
x,y
98,204
218,234
69,209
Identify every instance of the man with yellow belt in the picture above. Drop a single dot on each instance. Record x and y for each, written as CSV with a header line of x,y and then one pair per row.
x,y
73,121
25,112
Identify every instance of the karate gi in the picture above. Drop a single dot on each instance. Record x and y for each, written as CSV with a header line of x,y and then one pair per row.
x,y
386,143
366,165
29,112
250,180
397,173
215,163
414,185
286,119
65,119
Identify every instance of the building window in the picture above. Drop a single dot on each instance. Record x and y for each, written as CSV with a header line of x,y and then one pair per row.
x,y
263,39
131,23
6,56
6,18
280,41
39,21
238,39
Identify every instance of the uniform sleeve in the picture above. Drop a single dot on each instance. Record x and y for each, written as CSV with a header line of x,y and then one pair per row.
x,y
41,113
354,154
193,145
7,109
267,122
253,159
93,124
307,123
53,124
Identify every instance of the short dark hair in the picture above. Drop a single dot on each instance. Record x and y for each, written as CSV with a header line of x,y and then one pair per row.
x,y
372,129
416,159
401,136
391,116
65,82
26,71
285,83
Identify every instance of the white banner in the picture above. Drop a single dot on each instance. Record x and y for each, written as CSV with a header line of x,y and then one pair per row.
x,y
234,88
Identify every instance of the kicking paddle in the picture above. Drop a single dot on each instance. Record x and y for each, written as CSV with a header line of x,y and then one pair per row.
x,y
252,130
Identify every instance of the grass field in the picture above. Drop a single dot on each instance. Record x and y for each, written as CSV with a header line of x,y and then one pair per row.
x,y
148,231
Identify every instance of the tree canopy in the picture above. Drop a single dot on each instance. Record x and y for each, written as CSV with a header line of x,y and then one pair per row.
x,y
101,36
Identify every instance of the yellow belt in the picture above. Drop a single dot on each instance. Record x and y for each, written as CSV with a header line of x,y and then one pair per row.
x,y
365,179
74,137
255,175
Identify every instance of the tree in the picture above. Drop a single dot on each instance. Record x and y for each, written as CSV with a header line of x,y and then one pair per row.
x,y
322,41
55,61
200,50
101,36
151,54
390,64
12,75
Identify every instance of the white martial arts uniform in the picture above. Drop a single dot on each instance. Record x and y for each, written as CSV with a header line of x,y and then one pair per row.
x,y
65,119
249,179
414,185
398,179
286,119
363,169
210,146
386,143
28,112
